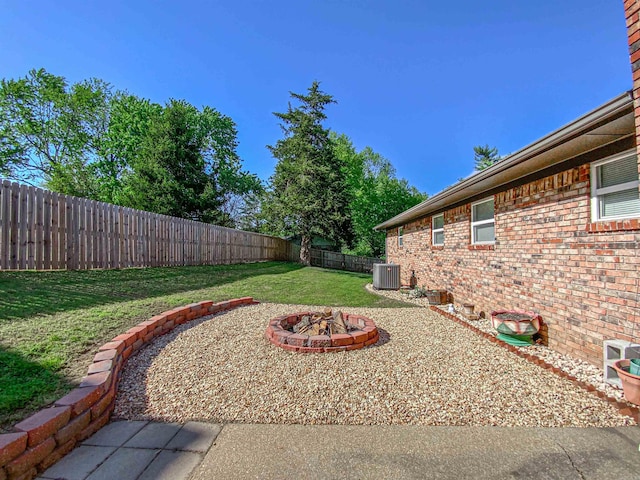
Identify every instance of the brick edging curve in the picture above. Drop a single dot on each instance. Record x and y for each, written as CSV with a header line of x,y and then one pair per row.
x,y
45,437
623,407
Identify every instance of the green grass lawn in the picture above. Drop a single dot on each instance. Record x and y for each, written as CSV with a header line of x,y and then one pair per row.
x,y
51,323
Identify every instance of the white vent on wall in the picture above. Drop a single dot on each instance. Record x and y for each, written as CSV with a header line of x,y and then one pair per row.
x,y
386,276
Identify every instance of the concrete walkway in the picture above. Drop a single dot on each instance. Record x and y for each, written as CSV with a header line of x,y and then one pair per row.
x,y
137,450
146,450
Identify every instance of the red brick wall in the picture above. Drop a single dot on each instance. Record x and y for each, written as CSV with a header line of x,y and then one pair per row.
x,y
632,12
582,278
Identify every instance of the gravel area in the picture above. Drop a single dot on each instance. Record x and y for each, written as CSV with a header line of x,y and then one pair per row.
x,y
583,371
425,370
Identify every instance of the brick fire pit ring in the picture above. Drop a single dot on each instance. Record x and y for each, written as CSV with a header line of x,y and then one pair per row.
x,y
364,333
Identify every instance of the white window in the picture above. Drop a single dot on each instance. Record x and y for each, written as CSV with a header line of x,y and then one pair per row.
x,y
482,222
614,188
437,229
400,231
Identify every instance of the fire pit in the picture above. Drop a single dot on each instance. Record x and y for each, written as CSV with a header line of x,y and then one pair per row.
x,y
317,332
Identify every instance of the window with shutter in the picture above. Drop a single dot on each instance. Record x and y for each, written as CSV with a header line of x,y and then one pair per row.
x,y
614,188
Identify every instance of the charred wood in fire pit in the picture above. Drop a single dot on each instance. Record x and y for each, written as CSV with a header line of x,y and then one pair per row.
x,y
303,325
326,323
338,325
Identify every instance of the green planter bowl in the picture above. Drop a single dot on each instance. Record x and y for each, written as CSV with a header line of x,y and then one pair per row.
x,y
634,366
514,322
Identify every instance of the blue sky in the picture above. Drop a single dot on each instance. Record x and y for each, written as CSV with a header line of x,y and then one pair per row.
x,y
421,82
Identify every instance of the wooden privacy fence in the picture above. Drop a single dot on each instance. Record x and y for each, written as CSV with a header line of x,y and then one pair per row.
x,y
43,230
341,261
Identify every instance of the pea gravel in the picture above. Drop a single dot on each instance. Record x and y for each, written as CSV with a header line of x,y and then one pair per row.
x,y
424,370
583,371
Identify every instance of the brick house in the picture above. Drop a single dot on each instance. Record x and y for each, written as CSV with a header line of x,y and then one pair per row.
x,y
553,228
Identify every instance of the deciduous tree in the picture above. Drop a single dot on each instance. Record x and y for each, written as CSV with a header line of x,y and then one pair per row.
x,y
49,129
376,194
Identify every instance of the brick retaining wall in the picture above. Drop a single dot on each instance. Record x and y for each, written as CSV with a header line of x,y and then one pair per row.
x,y
46,436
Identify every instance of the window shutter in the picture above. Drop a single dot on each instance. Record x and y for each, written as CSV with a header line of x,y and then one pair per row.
x,y
618,172
618,204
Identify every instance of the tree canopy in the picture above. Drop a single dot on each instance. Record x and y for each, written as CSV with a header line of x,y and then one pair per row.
x,y
50,128
87,140
375,194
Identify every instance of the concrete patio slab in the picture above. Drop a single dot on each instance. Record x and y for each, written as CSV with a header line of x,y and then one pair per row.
x,y
600,452
172,465
137,450
154,435
124,464
195,437
79,463
409,452
115,434
203,451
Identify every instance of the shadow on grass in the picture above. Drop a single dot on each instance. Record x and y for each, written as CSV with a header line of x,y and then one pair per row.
x,y
24,386
27,294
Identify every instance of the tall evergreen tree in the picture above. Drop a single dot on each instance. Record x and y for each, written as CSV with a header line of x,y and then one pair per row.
x,y
485,156
309,195
183,159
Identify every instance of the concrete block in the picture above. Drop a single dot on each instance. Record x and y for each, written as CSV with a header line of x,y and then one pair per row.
x,y
620,350
610,375
614,350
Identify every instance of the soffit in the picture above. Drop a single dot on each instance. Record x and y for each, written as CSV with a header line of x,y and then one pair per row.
x,y
607,124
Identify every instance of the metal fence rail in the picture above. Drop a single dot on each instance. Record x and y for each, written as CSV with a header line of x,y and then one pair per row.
x,y
341,261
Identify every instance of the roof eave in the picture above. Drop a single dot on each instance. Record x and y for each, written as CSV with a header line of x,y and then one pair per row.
x,y
579,126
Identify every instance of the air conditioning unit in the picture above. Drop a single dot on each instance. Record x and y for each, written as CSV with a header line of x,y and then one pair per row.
x,y
386,276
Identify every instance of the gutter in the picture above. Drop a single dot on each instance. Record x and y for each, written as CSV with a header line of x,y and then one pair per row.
x,y
565,133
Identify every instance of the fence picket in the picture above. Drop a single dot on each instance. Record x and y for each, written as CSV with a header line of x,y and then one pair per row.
x,y
45,230
5,223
